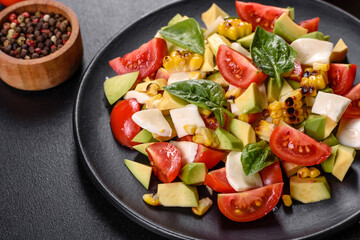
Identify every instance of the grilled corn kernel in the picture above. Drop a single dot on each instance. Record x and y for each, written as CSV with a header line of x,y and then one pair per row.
x,y
287,200
206,136
234,28
244,117
204,111
233,94
316,78
183,61
321,66
190,129
314,172
152,89
264,129
151,199
303,172
203,207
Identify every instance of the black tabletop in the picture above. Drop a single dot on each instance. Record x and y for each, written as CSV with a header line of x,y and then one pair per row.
x,y
44,190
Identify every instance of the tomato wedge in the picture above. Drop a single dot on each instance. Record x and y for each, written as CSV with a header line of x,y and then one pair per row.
x,y
211,157
311,25
147,59
291,145
123,127
258,14
218,182
297,72
250,205
353,110
237,69
165,160
271,174
341,77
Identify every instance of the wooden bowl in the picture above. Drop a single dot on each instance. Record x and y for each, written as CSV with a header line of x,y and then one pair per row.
x,y
48,71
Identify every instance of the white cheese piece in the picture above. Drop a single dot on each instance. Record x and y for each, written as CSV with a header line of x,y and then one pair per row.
x,y
213,28
183,76
237,47
188,115
331,105
236,176
235,109
153,121
348,133
187,149
139,96
311,51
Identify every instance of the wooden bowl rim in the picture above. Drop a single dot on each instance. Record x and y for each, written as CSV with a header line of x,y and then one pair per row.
x,y
75,31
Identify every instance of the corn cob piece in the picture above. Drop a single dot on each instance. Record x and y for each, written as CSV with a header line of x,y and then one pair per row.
x,y
183,61
290,109
264,129
204,205
151,199
234,28
287,200
206,136
314,79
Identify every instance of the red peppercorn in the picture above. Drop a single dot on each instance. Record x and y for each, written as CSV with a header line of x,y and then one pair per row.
x,y
26,14
15,21
16,35
16,53
12,17
68,33
31,43
64,41
38,50
35,21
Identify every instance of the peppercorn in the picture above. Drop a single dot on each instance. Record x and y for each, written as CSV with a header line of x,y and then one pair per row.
x,y
13,25
20,18
34,56
31,49
12,17
52,21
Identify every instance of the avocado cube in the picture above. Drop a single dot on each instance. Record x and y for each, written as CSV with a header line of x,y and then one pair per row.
x,y
344,158
144,136
290,168
309,190
315,127
117,86
228,141
328,164
169,101
286,28
331,140
315,35
177,194
212,14
294,84
251,101
140,171
242,131
193,173
246,41
216,40
339,52
208,64
218,78
142,147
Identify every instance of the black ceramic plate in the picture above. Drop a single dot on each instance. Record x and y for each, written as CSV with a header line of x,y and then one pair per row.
x,y
104,157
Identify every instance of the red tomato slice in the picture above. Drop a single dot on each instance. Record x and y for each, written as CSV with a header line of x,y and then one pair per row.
x,y
123,127
297,72
218,182
165,160
237,69
250,205
211,157
341,77
253,117
271,174
258,14
186,138
311,25
147,59
353,110
162,73
291,145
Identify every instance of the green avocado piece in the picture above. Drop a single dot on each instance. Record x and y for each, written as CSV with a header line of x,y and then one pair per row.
x,y
246,41
331,140
140,171
327,90
177,194
291,12
294,84
344,158
216,40
290,168
328,164
117,86
315,127
251,101
218,78
242,131
309,190
177,18
193,173
142,147
228,141
286,28
273,90
285,89
144,136
316,35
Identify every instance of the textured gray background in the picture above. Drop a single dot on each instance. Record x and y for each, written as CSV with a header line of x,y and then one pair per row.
x,y
44,191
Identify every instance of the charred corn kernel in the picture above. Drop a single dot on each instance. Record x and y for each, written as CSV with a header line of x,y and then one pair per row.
x,y
244,117
152,89
314,172
183,61
321,66
303,172
143,87
151,199
316,78
234,28
287,200
264,129
190,129
276,105
205,112
206,136
203,207
233,94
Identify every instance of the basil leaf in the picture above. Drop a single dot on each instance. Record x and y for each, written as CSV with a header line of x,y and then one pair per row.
x,y
203,93
272,54
257,156
186,34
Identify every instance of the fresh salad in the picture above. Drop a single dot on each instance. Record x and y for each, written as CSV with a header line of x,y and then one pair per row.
x,y
235,106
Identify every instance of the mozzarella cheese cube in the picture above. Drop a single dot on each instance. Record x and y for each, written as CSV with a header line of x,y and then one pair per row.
x,y
348,133
188,115
153,121
237,47
187,149
236,176
311,51
331,105
183,76
139,96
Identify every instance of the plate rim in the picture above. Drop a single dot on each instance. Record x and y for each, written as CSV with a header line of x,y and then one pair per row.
x,y
109,195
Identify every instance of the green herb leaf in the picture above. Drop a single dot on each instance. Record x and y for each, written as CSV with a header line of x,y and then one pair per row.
x,y
257,156
203,93
272,54
186,34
